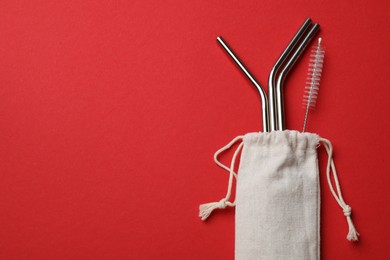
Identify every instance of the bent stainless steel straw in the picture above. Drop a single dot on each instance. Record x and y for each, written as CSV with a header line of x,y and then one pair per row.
x,y
264,100
272,75
279,83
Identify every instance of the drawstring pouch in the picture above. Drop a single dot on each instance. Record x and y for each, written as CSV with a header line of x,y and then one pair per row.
x,y
278,195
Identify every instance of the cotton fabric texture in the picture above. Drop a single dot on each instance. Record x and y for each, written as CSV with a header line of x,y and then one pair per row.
x,y
278,197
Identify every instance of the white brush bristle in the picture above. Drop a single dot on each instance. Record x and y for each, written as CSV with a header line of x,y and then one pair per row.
x,y
313,80
314,76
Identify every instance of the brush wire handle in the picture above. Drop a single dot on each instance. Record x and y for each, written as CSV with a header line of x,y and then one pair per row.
x,y
313,80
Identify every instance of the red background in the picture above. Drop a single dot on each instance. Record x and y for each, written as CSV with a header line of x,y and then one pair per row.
x,y
110,112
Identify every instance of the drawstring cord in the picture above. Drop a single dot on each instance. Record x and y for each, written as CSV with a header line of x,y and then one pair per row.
x,y
206,209
352,233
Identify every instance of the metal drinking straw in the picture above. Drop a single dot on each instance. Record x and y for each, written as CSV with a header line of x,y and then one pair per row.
x,y
263,96
285,71
272,75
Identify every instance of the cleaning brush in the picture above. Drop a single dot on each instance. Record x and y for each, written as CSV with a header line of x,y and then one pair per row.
x,y
313,79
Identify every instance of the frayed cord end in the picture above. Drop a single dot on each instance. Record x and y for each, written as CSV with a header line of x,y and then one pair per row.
x,y
206,209
353,235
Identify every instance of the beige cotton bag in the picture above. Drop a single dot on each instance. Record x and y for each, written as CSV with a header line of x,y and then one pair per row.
x,y
278,195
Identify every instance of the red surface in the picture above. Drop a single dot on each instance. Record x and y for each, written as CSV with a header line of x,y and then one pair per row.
x,y
110,113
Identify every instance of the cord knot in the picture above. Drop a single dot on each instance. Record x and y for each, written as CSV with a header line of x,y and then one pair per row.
x,y
222,203
206,209
347,210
